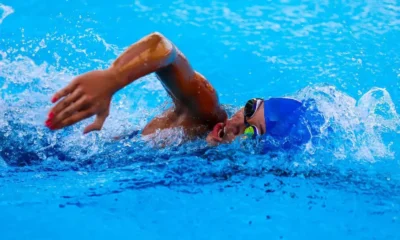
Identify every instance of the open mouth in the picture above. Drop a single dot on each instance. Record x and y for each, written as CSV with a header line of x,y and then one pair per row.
x,y
221,132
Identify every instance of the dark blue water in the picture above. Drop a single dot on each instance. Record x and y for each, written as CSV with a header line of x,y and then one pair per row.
x,y
63,185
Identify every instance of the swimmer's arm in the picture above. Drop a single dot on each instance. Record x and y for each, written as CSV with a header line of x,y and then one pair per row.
x,y
90,94
187,88
146,56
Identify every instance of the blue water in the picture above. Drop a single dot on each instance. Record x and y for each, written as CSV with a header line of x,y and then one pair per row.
x,y
63,185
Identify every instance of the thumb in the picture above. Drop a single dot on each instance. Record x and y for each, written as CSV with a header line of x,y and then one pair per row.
x,y
97,124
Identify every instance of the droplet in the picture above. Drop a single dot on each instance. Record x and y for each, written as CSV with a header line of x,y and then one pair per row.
x,y
42,44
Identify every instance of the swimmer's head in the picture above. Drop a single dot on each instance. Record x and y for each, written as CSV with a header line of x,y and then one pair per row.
x,y
248,122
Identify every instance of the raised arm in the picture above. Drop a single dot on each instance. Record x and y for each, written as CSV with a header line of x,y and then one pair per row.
x,y
90,94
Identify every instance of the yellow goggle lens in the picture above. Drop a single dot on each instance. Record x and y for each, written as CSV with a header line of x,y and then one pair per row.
x,y
249,131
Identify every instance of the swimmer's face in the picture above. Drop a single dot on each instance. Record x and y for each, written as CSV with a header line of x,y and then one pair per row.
x,y
226,132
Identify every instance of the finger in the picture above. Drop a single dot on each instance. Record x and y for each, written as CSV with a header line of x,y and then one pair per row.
x,y
64,92
69,111
97,124
77,117
73,108
73,97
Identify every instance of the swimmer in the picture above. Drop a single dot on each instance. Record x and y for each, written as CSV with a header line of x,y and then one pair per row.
x,y
196,107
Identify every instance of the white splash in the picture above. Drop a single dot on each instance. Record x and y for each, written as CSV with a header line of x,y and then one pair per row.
x,y
359,126
6,10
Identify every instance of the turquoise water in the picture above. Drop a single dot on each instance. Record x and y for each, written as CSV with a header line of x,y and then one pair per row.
x,y
63,185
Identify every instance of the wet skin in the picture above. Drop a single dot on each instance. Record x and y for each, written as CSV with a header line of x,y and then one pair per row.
x,y
196,107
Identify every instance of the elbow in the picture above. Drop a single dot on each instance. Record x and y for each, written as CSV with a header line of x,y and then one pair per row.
x,y
164,48
158,35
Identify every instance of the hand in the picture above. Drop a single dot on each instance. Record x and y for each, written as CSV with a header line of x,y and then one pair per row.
x,y
87,95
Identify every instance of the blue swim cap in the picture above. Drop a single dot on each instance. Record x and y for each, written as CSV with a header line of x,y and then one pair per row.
x,y
288,122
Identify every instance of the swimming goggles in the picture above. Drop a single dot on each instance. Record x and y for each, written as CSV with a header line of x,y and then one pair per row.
x,y
250,109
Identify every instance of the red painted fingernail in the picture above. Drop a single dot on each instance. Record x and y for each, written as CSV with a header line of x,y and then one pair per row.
x,y
51,115
48,123
54,99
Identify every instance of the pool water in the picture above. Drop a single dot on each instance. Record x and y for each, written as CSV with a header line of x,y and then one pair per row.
x,y
63,185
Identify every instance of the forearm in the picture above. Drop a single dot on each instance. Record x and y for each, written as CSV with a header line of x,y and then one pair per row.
x,y
148,55
157,54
